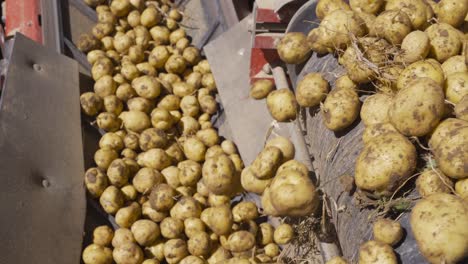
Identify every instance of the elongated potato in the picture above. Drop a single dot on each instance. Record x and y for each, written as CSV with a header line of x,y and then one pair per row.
x,y
311,90
261,88
285,145
135,121
340,109
373,252
375,109
451,154
251,183
267,162
282,105
218,174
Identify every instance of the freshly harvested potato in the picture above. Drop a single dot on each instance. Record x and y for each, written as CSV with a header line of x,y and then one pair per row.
x,y
267,162
387,231
171,175
241,241
118,173
384,163
268,208
129,253
122,236
162,119
87,42
451,154
443,236
145,232
373,252
186,207
218,174
282,105
155,159
194,149
162,197
140,104
272,250
135,121
366,6
461,109
192,226
91,103
188,125
176,35
218,200
417,109
175,152
191,55
148,212
433,181
97,254
209,137
284,145
182,89
129,71
125,92
105,86
169,102
175,64
325,7
129,153
261,88
104,157
244,211
445,41
318,42
283,234
375,130
340,109
111,199
175,250
218,219
199,244
208,104
293,48
251,183
336,28
102,235
102,67
126,216
418,11
337,260
112,141
454,64
147,87
96,181
443,130
120,8
415,47
358,70
158,57
150,17
311,90
456,86
145,179
172,227
295,166
393,25
452,12
375,108
265,234
151,261
192,260
189,172
461,188
156,251
228,147
131,141
129,192
152,138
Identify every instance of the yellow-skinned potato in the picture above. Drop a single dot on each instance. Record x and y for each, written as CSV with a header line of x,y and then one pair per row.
x,y
417,11
268,208
91,103
129,71
145,232
112,104
188,125
218,174
267,162
283,234
111,199
272,250
102,67
105,86
126,216
162,119
101,30
456,86
214,151
140,104
125,92
445,41
384,163
241,241
393,25
156,251
415,47
251,183
295,166
160,36
318,41
375,130
102,235
155,159
182,89
417,109
122,236
375,108
208,136
311,90
120,8
192,260
192,226
150,17
171,175
136,54
208,104
366,6
151,261
133,18
175,250
131,141
208,82
145,179
451,154
158,57
104,157
96,181
94,55
147,69
294,48
162,197
337,260
135,121
189,172
244,211
123,42
171,227
443,236
357,70
340,109
336,27
190,106
152,138
218,219
373,252
433,181
191,55
175,64
261,88
147,87
185,208
218,200
185,191
454,64
129,253
129,153
387,231
87,42
194,149
325,7
169,102
129,192
452,12
148,212
175,152
284,145
461,188
265,234
108,45
461,109
118,173
443,130
282,105
97,254
199,244
228,147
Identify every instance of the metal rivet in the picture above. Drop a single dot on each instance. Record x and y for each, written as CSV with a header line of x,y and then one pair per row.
x,y
45,183
37,67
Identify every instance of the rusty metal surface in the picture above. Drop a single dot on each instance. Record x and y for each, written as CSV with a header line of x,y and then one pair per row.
x,y
42,194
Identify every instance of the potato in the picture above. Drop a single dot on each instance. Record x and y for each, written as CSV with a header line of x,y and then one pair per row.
x,y
151,261
208,82
192,226
267,206
283,234
218,200
218,174
129,253
373,252
337,260
189,172
325,7
445,41
123,42
191,55
238,260
340,109
357,70
129,153
208,104
461,188
147,69
295,166
365,6
95,181
194,149
336,28
452,12
97,254
172,227
150,17
175,152
318,41
441,237
145,179
87,42
199,244
282,105
162,119
129,71
188,125
94,55
162,197
451,154
153,138
169,102
190,106
251,183
265,234
112,104
148,212
182,44
244,211
293,48
145,232
454,64
91,103
105,86
228,147
375,130
140,104
443,130
131,141
433,181
261,88
387,231
417,109
461,108
156,251
200,199
218,219
417,11
108,46
126,216
456,86
267,162
237,161
136,54
415,47
147,87
175,250
102,235
103,67
182,89
154,158
175,64
135,121
120,8
375,108
101,30
129,192
193,260
104,157
122,236
118,173
125,92
240,241
111,199
311,90
185,208
272,250
393,25
384,163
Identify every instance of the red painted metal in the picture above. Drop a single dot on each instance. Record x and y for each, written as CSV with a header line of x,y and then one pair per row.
x,y
267,15
24,16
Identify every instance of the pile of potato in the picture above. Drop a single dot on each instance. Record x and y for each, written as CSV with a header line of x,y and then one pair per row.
x,y
162,171
412,56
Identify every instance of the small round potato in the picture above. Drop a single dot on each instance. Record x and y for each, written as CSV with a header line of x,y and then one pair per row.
x,y
418,11
145,179
170,102
294,48
340,109
311,90
175,64
451,154
295,166
129,192
261,88
191,55
147,87
283,234
325,7
208,136
175,250
241,241
102,67
188,125
456,86
122,236
393,25
415,47
105,86
175,152
365,6
375,108
150,17
97,254
102,235
104,157
171,175
140,104
218,219
162,197
208,104
452,12
218,200
387,231
135,121
282,105
251,183
112,141
91,103
158,56
155,159
373,252
145,232
171,227
96,181
126,216
125,92
433,181
185,208
218,174
118,173
162,119
193,225
129,253
244,211
131,141
194,149
192,260
189,173
111,199
445,41
152,138
199,244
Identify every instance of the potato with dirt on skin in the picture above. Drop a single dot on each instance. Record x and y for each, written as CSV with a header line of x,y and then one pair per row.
x,y
208,104
443,130
267,162
392,25
112,141
451,154
283,234
456,86
148,212
265,234
325,7
189,172
122,236
175,64
126,216
218,174
240,241
118,173
140,104
375,130
190,106
454,64
417,109
162,197
129,253
111,200
102,235
152,138
194,149
188,125
442,237
91,103
105,86
87,42
145,179
191,55
175,250
384,163
374,252
150,17
337,260
185,208
193,260
104,157
433,181
387,231
311,90
199,244
415,47
244,211
340,109
154,158
366,6
461,188
218,219
461,109
171,227
293,48
182,89
156,251
261,88
135,121
102,67
169,102
209,137
162,119
218,200
147,86
282,105
452,12
375,108
336,28
96,181
444,40
97,254
129,192
251,183
145,232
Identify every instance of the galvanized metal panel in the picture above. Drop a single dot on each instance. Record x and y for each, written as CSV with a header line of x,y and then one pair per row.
x,y
42,195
